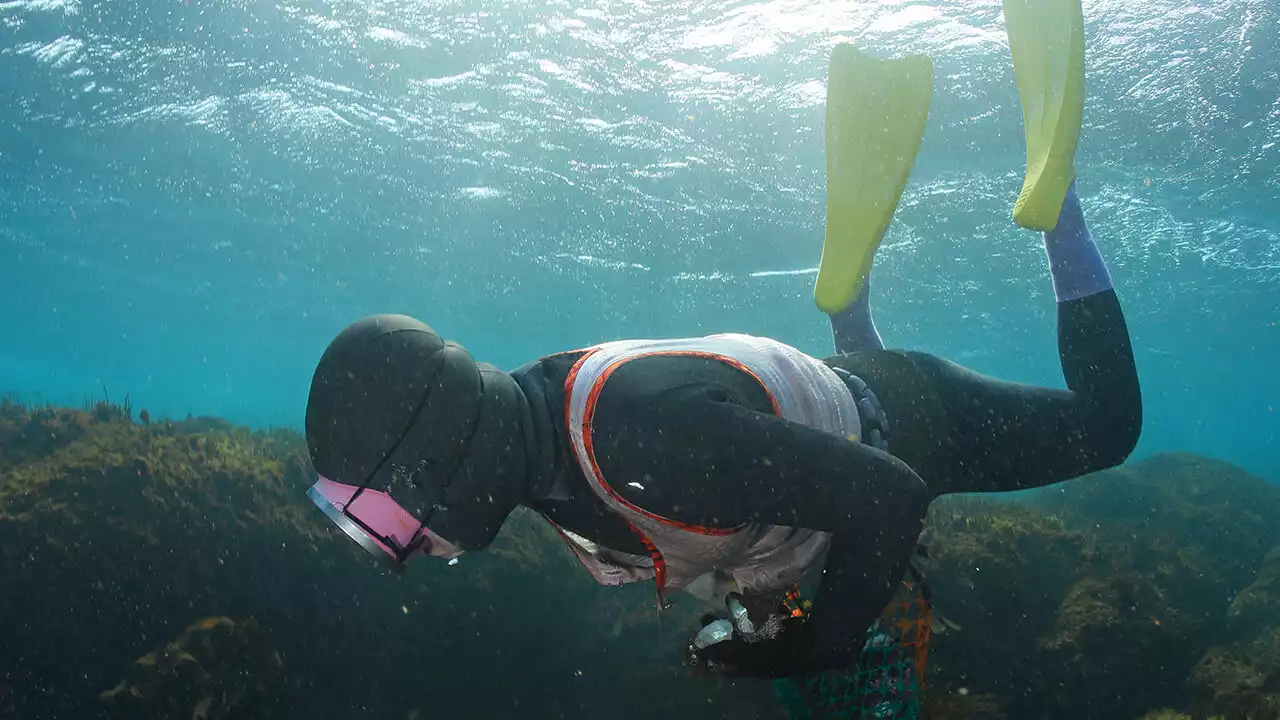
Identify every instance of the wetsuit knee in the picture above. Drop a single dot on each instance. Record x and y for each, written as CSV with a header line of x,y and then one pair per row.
x,y
1114,435
1097,361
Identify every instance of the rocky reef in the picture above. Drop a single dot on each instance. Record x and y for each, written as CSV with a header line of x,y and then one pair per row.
x,y
1106,596
217,669
157,568
117,534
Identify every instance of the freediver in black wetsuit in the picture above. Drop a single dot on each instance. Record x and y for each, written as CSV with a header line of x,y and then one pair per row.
x,y
714,456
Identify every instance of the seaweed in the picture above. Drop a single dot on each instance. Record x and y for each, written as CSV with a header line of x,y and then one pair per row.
x,y
1152,589
219,668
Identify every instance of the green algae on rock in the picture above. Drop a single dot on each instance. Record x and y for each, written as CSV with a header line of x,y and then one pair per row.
x,y
1116,595
1099,596
128,532
216,670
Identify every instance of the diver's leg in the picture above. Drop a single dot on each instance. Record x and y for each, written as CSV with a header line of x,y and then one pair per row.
x,y
1075,264
966,432
1008,436
852,328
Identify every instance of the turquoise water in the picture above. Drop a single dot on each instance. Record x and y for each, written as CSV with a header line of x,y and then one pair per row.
x,y
196,196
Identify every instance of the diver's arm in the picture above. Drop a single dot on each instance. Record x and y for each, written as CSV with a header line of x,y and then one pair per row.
x,y
704,460
691,455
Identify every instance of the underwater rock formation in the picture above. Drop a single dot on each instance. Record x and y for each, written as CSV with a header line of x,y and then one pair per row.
x,y
1147,588
1239,682
1099,596
116,535
1256,608
217,669
1240,678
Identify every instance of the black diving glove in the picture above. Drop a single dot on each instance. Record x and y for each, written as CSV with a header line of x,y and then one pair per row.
x,y
781,646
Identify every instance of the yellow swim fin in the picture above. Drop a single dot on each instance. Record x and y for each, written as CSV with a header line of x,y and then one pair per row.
x,y
876,111
1046,39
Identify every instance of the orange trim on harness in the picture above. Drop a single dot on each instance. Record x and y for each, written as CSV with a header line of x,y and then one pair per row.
x,y
659,564
594,395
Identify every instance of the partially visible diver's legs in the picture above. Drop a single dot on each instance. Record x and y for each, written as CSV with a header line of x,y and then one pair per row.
x,y
1076,266
853,329
966,432
1008,436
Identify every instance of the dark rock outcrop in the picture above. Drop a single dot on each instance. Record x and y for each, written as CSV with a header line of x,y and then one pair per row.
x,y
1153,586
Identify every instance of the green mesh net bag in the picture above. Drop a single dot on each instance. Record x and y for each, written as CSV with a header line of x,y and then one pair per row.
x,y
888,680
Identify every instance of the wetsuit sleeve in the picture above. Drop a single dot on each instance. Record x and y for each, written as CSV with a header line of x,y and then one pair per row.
x,y
693,455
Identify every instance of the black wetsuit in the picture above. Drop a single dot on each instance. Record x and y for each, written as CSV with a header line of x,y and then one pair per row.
x,y
701,440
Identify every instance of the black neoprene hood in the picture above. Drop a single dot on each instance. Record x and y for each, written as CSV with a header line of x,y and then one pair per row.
x,y
396,406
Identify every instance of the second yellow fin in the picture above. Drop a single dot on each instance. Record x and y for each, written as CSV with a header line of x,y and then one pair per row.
x,y
876,112
1046,40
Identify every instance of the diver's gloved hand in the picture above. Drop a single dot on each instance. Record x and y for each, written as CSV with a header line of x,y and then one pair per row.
x,y
781,646
786,655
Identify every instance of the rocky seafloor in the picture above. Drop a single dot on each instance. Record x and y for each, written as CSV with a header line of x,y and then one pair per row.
x,y
160,569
